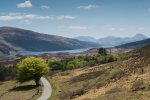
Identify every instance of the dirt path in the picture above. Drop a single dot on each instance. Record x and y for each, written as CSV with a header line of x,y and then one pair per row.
x,y
47,89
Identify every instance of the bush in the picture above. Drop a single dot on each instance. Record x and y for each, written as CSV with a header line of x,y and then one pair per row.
x,y
100,82
123,56
112,58
78,93
114,90
138,85
83,61
56,65
116,74
7,73
70,66
148,86
101,59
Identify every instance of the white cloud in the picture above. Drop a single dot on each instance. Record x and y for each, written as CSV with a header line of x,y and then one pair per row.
x,y
26,4
28,22
29,17
87,6
63,17
74,27
18,16
45,7
149,10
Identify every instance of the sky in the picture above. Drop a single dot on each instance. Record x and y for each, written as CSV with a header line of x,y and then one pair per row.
x,y
72,18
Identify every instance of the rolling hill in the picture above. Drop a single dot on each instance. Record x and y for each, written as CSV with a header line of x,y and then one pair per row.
x,y
15,39
86,38
120,80
137,44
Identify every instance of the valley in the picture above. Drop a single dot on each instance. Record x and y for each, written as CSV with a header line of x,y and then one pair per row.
x,y
74,50
84,71
91,74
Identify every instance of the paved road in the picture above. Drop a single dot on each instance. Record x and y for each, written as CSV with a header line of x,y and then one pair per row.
x,y
47,90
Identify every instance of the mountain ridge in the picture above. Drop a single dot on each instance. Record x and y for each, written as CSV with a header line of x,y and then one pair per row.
x,y
111,41
16,39
136,44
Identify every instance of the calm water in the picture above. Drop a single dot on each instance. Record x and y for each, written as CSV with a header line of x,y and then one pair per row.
x,y
25,53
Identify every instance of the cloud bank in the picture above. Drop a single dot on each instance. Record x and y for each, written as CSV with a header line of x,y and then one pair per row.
x,y
26,4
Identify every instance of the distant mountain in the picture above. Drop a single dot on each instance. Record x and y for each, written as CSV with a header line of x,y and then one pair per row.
x,y
86,38
137,44
15,39
139,37
114,41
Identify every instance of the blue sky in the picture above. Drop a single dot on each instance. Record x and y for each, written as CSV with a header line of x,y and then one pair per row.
x,y
71,18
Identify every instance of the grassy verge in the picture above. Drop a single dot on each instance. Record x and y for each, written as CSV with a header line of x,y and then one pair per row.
x,y
12,90
38,93
55,89
125,96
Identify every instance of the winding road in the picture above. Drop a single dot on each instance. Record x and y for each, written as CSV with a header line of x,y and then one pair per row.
x,y
47,89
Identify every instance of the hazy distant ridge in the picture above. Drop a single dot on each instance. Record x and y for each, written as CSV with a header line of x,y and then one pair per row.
x,y
112,40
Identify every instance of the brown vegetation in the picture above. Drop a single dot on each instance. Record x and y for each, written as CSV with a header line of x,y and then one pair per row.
x,y
121,80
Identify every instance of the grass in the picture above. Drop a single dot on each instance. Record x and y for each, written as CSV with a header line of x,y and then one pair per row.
x,y
125,96
12,90
67,86
55,89
116,74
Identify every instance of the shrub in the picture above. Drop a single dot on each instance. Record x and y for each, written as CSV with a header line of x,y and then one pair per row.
x,y
101,59
138,85
148,86
100,82
7,73
56,65
70,66
123,56
83,61
116,74
78,93
114,90
64,73
111,59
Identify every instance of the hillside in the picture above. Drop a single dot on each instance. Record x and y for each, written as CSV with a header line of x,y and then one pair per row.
x,y
120,80
4,49
15,39
86,38
136,44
